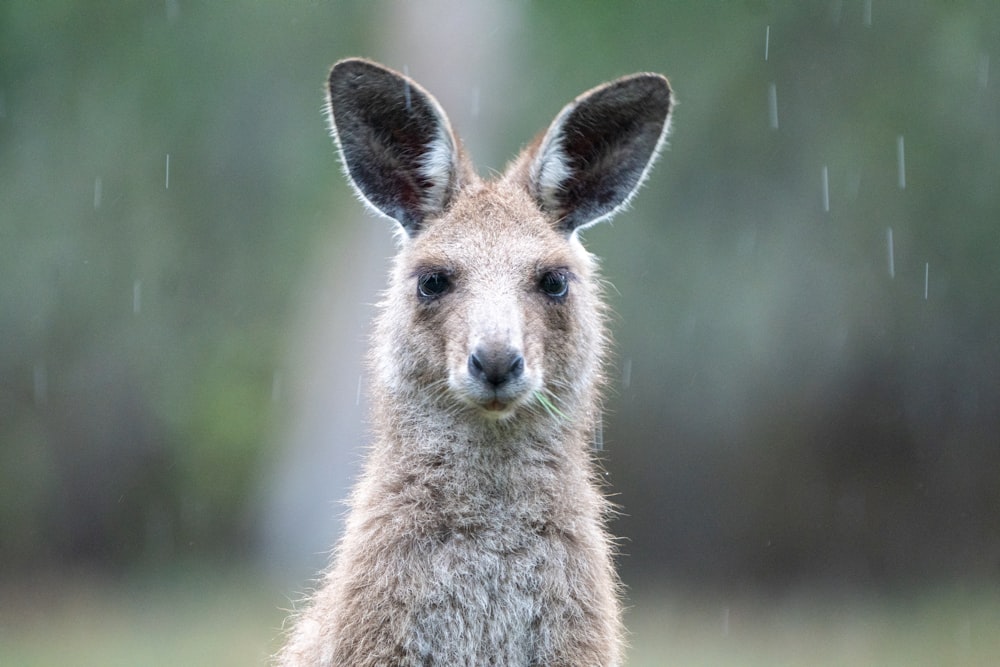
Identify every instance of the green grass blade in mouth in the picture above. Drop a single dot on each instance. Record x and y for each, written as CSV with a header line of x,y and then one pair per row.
x,y
548,405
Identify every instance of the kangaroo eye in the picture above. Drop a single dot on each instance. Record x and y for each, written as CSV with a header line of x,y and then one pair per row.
x,y
432,285
554,284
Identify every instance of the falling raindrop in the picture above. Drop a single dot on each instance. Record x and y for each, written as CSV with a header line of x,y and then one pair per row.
x,y
173,10
963,636
888,244
475,101
984,71
901,162
853,185
772,105
767,40
826,189
599,434
167,179
927,276
406,86
747,241
835,10
97,192
627,372
136,296
725,621
868,13
40,383
3,105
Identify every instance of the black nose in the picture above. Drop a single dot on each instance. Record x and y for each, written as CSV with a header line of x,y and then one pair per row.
x,y
495,366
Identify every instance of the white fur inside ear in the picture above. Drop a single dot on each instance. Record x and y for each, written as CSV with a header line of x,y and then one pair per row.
x,y
551,168
437,165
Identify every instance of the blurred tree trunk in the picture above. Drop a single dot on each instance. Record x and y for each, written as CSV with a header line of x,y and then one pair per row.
x,y
452,49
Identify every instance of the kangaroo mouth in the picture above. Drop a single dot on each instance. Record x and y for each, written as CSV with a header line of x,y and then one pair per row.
x,y
495,405
492,402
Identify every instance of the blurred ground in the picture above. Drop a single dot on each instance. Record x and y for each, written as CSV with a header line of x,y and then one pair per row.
x,y
933,628
198,618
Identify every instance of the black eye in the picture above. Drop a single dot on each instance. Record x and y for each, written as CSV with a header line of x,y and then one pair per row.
x,y
554,284
432,285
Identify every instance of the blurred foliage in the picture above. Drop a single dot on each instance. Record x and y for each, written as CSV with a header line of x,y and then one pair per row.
x,y
160,168
786,409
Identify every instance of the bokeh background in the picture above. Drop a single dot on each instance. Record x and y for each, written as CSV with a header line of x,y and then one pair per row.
x,y
804,430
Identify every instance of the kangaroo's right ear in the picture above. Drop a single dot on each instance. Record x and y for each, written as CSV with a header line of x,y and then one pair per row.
x,y
395,141
598,150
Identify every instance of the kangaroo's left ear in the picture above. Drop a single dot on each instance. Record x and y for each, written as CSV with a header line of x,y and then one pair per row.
x,y
598,150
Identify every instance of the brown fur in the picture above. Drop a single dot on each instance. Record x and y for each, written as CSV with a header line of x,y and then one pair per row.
x,y
476,533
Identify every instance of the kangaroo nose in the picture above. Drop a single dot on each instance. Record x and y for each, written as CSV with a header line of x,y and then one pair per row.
x,y
495,366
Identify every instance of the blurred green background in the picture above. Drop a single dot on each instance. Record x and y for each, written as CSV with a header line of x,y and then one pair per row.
x,y
803,431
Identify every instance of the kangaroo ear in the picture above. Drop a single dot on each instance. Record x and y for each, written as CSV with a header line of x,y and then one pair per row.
x,y
598,150
395,141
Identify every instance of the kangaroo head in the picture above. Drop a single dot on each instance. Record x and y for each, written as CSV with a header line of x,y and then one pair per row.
x,y
493,306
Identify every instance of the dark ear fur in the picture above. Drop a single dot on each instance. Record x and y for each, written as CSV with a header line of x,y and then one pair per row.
x,y
395,141
599,148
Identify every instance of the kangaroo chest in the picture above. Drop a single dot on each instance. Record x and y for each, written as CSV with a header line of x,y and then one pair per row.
x,y
492,593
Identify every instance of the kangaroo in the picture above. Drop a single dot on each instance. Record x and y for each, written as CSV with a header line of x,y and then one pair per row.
x,y
476,530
